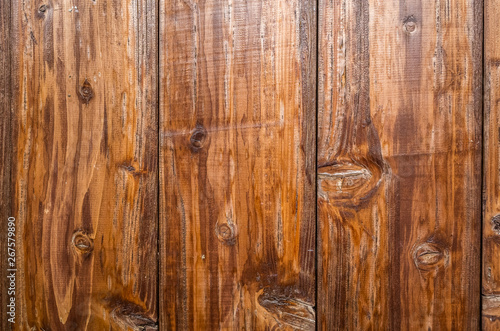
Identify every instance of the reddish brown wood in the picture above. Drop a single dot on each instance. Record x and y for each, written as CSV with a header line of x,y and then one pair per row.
x,y
399,159
5,150
491,203
84,176
237,164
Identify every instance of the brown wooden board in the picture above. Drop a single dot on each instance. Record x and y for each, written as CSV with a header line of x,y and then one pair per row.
x,y
5,152
84,169
237,164
491,184
399,164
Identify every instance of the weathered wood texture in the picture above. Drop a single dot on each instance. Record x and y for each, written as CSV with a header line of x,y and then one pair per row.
x,y
5,149
86,156
491,170
237,114
399,159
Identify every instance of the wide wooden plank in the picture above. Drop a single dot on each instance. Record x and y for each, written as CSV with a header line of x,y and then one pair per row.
x,y
491,170
399,159
86,153
237,116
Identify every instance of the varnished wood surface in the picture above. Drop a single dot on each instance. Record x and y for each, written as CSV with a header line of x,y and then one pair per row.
x,y
5,148
491,184
230,152
85,154
399,164
237,158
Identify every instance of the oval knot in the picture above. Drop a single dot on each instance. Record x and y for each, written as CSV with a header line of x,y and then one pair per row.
x,y
198,138
430,256
410,24
226,232
86,93
82,243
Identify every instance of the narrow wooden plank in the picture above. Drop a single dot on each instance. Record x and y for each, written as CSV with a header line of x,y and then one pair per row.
x,y
237,114
86,156
491,183
5,154
399,159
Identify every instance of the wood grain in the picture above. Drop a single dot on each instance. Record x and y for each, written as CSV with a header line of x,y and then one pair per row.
x,y
86,155
399,159
491,180
237,116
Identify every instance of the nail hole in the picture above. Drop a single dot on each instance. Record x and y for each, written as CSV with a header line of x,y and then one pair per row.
x,y
42,9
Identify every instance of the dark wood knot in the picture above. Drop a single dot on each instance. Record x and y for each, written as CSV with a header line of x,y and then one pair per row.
x,y
226,232
495,224
430,256
135,319
198,138
129,168
82,243
286,309
410,24
348,184
40,13
85,92
129,315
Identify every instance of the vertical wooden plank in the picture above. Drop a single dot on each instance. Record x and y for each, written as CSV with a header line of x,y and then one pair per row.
x,y
352,176
491,183
5,152
86,154
237,108
399,159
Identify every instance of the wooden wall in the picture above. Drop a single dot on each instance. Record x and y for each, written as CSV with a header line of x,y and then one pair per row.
x,y
251,164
